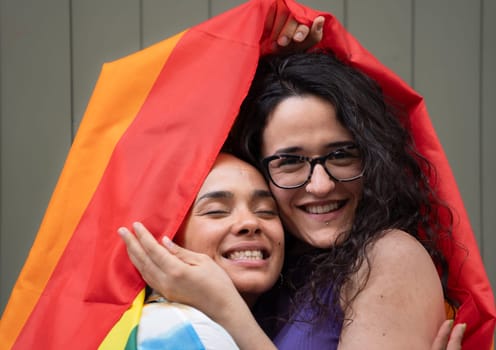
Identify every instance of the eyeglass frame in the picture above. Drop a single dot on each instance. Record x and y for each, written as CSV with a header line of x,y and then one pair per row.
x,y
313,161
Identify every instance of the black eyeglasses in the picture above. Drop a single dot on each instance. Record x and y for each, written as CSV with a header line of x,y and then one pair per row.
x,y
292,171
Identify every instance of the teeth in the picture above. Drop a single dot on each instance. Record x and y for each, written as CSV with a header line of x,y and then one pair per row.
x,y
246,255
321,209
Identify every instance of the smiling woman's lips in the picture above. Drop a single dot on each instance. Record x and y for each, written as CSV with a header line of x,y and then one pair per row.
x,y
246,252
323,208
246,255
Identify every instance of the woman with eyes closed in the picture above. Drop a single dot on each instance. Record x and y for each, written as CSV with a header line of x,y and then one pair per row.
x,y
354,201
234,221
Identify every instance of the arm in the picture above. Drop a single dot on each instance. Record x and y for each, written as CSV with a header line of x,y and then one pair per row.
x,y
402,304
194,279
191,278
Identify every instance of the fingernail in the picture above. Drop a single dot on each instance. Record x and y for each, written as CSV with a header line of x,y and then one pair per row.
x,y
320,26
167,242
137,225
122,231
283,40
451,324
298,36
464,327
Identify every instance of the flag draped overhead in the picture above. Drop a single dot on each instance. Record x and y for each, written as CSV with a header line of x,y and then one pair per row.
x,y
152,130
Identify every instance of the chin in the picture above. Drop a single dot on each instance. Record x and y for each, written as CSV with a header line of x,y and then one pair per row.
x,y
323,243
253,287
321,239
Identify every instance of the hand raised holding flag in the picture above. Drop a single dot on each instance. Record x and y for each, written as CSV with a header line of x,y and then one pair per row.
x,y
285,34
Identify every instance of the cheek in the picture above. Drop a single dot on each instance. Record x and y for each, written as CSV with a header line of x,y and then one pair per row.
x,y
286,200
277,238
276,234
200,239
281,196
356,189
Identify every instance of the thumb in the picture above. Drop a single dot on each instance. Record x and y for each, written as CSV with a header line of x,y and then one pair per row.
x,y
185,255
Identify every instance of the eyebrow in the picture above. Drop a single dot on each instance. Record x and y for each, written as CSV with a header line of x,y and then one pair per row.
x,y
296,149
262,194
215,194
227,194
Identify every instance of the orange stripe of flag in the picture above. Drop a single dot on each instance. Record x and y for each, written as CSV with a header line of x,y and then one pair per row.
x,y
219,58
82,172
153,174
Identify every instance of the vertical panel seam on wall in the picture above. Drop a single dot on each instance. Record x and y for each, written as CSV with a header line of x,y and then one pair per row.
x,y
1,119
345,14
71,73
209,8
141,25
481,123
412,42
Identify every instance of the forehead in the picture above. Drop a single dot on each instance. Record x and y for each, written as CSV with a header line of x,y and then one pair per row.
x,y
232,174
303,121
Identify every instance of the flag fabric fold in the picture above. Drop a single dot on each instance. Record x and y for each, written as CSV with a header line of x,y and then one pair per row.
x,y
153,128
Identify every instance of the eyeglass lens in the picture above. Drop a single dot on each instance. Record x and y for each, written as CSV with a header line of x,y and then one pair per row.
x,y
292,171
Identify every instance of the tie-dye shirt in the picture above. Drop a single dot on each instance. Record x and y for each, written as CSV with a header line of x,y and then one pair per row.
x,y
166,325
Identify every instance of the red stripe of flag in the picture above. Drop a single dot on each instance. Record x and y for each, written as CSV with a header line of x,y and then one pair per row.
x,y
161,160
155,171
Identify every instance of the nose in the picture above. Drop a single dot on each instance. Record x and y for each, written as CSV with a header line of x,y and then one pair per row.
x,y
320,183
246,222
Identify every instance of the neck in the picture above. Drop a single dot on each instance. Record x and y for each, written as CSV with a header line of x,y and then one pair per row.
x,y
250,299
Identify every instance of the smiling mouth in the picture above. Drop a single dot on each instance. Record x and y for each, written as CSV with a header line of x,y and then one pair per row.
x,y
247,255
323,209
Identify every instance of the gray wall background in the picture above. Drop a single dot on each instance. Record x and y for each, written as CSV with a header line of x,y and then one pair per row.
x,y
51,52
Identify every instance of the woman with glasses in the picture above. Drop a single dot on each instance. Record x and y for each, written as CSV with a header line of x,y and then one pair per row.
x,y
350,189
355,202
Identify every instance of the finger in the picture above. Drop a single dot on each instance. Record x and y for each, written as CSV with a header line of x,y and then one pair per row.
x,y
287,32
303,37
159,261
280,19
442,336
139,258
133,247
317,32
455,342
301,33
152,248
165,260
185,255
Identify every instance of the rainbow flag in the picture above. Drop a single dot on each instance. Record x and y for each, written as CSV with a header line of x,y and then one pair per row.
x,y
152,130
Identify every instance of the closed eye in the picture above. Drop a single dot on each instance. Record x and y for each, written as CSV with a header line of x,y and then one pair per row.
x,y
216,212
267,213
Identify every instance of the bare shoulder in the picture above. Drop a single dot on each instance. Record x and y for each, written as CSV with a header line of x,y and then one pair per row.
x,y
398,256
397,246
399,303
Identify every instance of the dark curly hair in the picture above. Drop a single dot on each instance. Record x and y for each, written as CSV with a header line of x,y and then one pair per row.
x,y
397,193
